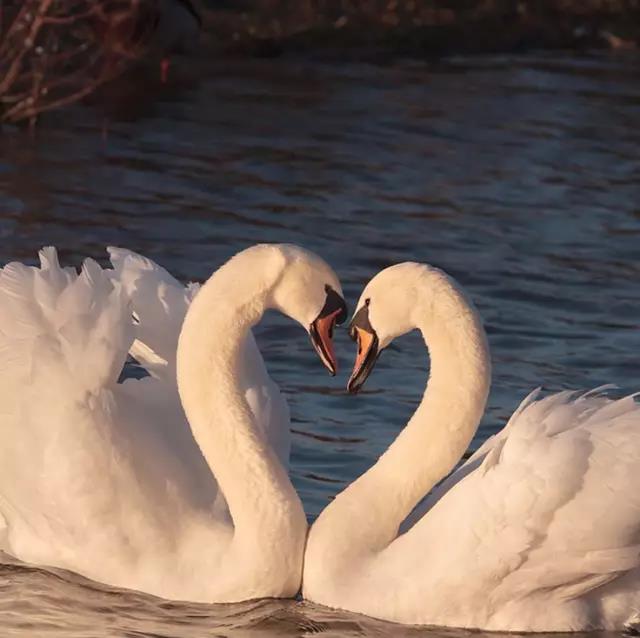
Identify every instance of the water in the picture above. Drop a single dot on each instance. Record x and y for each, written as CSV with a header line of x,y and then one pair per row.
x,y
517,175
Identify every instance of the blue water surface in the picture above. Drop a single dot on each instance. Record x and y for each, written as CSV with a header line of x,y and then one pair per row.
x,y
518,175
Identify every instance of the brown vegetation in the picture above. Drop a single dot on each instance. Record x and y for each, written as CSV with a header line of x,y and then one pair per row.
x,y
54,52
425,27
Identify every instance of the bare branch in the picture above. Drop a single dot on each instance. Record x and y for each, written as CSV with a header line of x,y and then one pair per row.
x,y
55,52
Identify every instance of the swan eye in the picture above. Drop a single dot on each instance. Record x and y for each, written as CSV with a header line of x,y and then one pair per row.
x,y
367,301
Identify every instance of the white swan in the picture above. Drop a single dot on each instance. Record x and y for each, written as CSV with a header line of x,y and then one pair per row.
x,y
538,531
103,478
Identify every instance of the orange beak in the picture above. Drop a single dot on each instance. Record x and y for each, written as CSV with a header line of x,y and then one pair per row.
x,y
322,339
365,358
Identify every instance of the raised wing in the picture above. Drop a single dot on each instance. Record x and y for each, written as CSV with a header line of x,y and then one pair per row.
x,y
159,303
64,338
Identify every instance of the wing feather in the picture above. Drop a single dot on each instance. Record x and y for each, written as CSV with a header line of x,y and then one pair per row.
x,y
159,303
547,509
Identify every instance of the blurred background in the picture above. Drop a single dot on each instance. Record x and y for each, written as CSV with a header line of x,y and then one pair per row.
x,y
497,140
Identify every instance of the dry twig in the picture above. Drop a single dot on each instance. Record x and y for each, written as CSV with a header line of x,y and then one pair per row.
x,y
55,52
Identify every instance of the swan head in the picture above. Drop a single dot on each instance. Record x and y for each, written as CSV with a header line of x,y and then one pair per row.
x,y
386,309
310,293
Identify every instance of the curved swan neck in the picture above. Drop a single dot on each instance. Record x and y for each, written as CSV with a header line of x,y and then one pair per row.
x,y
454,400
438,433
209,373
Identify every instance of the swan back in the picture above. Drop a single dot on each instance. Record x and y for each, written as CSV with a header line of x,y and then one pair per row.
x,y
538,531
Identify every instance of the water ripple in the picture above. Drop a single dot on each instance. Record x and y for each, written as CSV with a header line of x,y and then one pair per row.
x,y
517,175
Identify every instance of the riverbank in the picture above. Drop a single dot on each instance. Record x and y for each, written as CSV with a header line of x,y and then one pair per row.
x,y
57,65
421,27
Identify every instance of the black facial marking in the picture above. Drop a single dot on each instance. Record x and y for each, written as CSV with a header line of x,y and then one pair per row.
x,y
361,320
333,303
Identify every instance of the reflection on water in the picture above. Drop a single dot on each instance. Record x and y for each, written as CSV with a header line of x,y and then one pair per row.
x,y
52,604
517,175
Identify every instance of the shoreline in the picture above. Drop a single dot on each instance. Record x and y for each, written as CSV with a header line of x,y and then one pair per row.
x,y
426,32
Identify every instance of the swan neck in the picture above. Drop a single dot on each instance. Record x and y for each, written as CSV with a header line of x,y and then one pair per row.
x,y
442,427
436,436
210,362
